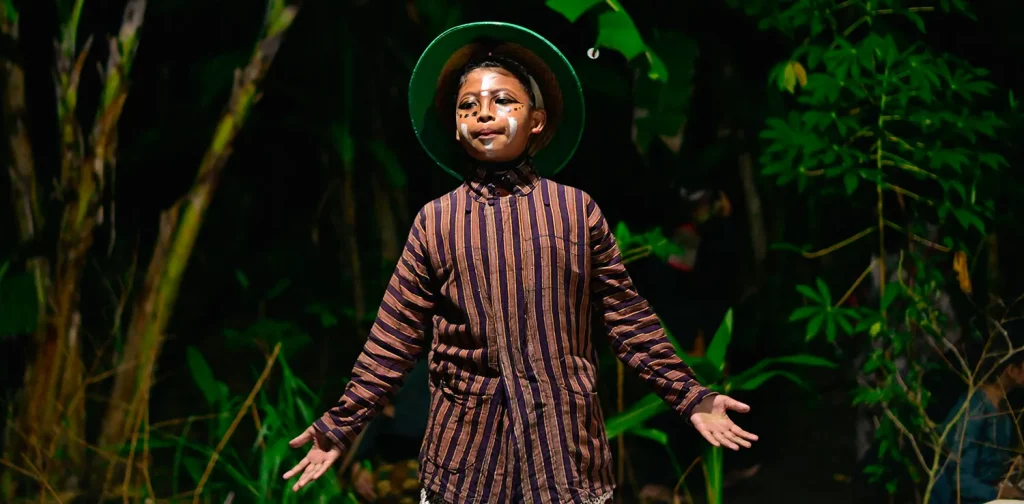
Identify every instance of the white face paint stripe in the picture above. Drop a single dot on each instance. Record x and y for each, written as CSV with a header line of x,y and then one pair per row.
x,y
513,125
465,131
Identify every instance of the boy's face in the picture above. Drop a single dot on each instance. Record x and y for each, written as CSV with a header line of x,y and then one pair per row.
x,y
493,117
1016,374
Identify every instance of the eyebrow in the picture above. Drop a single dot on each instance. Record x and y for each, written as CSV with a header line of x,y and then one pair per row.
x,y
491,91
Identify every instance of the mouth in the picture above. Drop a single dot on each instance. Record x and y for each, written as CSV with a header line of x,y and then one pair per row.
x,y
488,133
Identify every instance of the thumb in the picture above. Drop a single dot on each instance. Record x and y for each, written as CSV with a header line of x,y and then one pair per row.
x,y
735,405
301,439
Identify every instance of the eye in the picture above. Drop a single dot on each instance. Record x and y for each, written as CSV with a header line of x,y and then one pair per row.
x,y
466,105
504,100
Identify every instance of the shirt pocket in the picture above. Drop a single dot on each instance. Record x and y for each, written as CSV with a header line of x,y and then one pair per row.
x,y
456,425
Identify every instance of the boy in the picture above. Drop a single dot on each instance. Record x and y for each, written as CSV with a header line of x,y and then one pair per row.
x,y
981,451
505,270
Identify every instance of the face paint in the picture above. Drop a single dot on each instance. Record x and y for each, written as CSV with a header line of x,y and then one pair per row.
x,y
513,125
465,131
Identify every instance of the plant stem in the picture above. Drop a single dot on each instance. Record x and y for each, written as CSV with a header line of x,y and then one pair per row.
x,y
234,423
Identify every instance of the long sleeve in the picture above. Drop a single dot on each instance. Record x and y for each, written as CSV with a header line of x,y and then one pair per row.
x,y
636,334
393,346
972,488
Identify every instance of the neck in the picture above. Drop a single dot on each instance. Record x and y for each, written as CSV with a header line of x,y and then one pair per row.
x,y
488,168
996,391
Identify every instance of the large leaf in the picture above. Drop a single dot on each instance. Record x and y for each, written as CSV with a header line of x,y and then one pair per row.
x,y
202,375
757,380
720,343
650,406
704,371
572,9
617,31
656,435
759,368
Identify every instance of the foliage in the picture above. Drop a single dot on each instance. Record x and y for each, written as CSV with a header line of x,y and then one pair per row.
x,y
710,371
904,134
653,241
662,100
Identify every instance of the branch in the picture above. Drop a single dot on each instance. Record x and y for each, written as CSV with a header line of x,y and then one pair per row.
x,y
837,246
916,238
913,442
234,423
856,283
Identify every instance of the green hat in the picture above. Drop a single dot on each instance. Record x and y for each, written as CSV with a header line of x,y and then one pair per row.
x,y
432,91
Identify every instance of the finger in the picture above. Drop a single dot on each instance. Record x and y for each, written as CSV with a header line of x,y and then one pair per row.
x,y
301,439
725,441
305,477
709,436
742,433
736,439
323,468
737,406
298,467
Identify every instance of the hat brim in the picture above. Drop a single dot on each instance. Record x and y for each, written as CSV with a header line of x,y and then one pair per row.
x,y
449,52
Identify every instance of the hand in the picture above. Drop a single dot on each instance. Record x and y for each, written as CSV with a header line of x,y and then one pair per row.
x,y
1010,492
362,480
319,459
711,420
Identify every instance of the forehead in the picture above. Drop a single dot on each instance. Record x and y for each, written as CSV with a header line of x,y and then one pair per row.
x,y
483,79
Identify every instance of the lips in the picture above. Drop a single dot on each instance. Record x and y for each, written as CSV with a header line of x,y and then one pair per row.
x,y
488,133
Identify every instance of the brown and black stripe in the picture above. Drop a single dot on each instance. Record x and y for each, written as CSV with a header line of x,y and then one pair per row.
x,y
505,271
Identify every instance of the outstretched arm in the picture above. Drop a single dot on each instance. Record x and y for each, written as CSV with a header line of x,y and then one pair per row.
x,y
638,339
391,350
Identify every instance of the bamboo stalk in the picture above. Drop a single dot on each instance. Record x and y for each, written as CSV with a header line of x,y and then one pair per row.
x,y
179,228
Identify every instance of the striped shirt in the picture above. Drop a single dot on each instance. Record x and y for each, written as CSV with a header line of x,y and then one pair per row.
x,y
505,271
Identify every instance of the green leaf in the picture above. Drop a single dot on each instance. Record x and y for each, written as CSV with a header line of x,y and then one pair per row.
x,y
803,312
279,288
657,71
968,219
830,327
617,31
572,9
993,160
826,296
758,380
798,360
622,235
850,181
202,375
720,343
844,324
808,292
242,279
814,326
890,295
646,408
704,371
655,435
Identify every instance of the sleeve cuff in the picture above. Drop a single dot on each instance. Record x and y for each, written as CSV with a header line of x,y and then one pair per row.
x,y
693,398
332,434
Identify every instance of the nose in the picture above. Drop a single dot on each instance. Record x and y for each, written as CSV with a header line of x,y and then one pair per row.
x,y
485,114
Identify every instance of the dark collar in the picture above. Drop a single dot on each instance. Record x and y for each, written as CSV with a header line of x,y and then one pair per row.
x,y
516,179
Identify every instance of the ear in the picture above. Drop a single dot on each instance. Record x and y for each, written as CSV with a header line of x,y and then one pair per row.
x,y
539,118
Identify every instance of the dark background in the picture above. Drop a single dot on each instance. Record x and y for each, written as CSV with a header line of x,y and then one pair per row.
x,y
282,184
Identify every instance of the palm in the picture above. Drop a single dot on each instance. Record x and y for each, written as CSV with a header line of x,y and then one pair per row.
x,y
321,456
711,419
